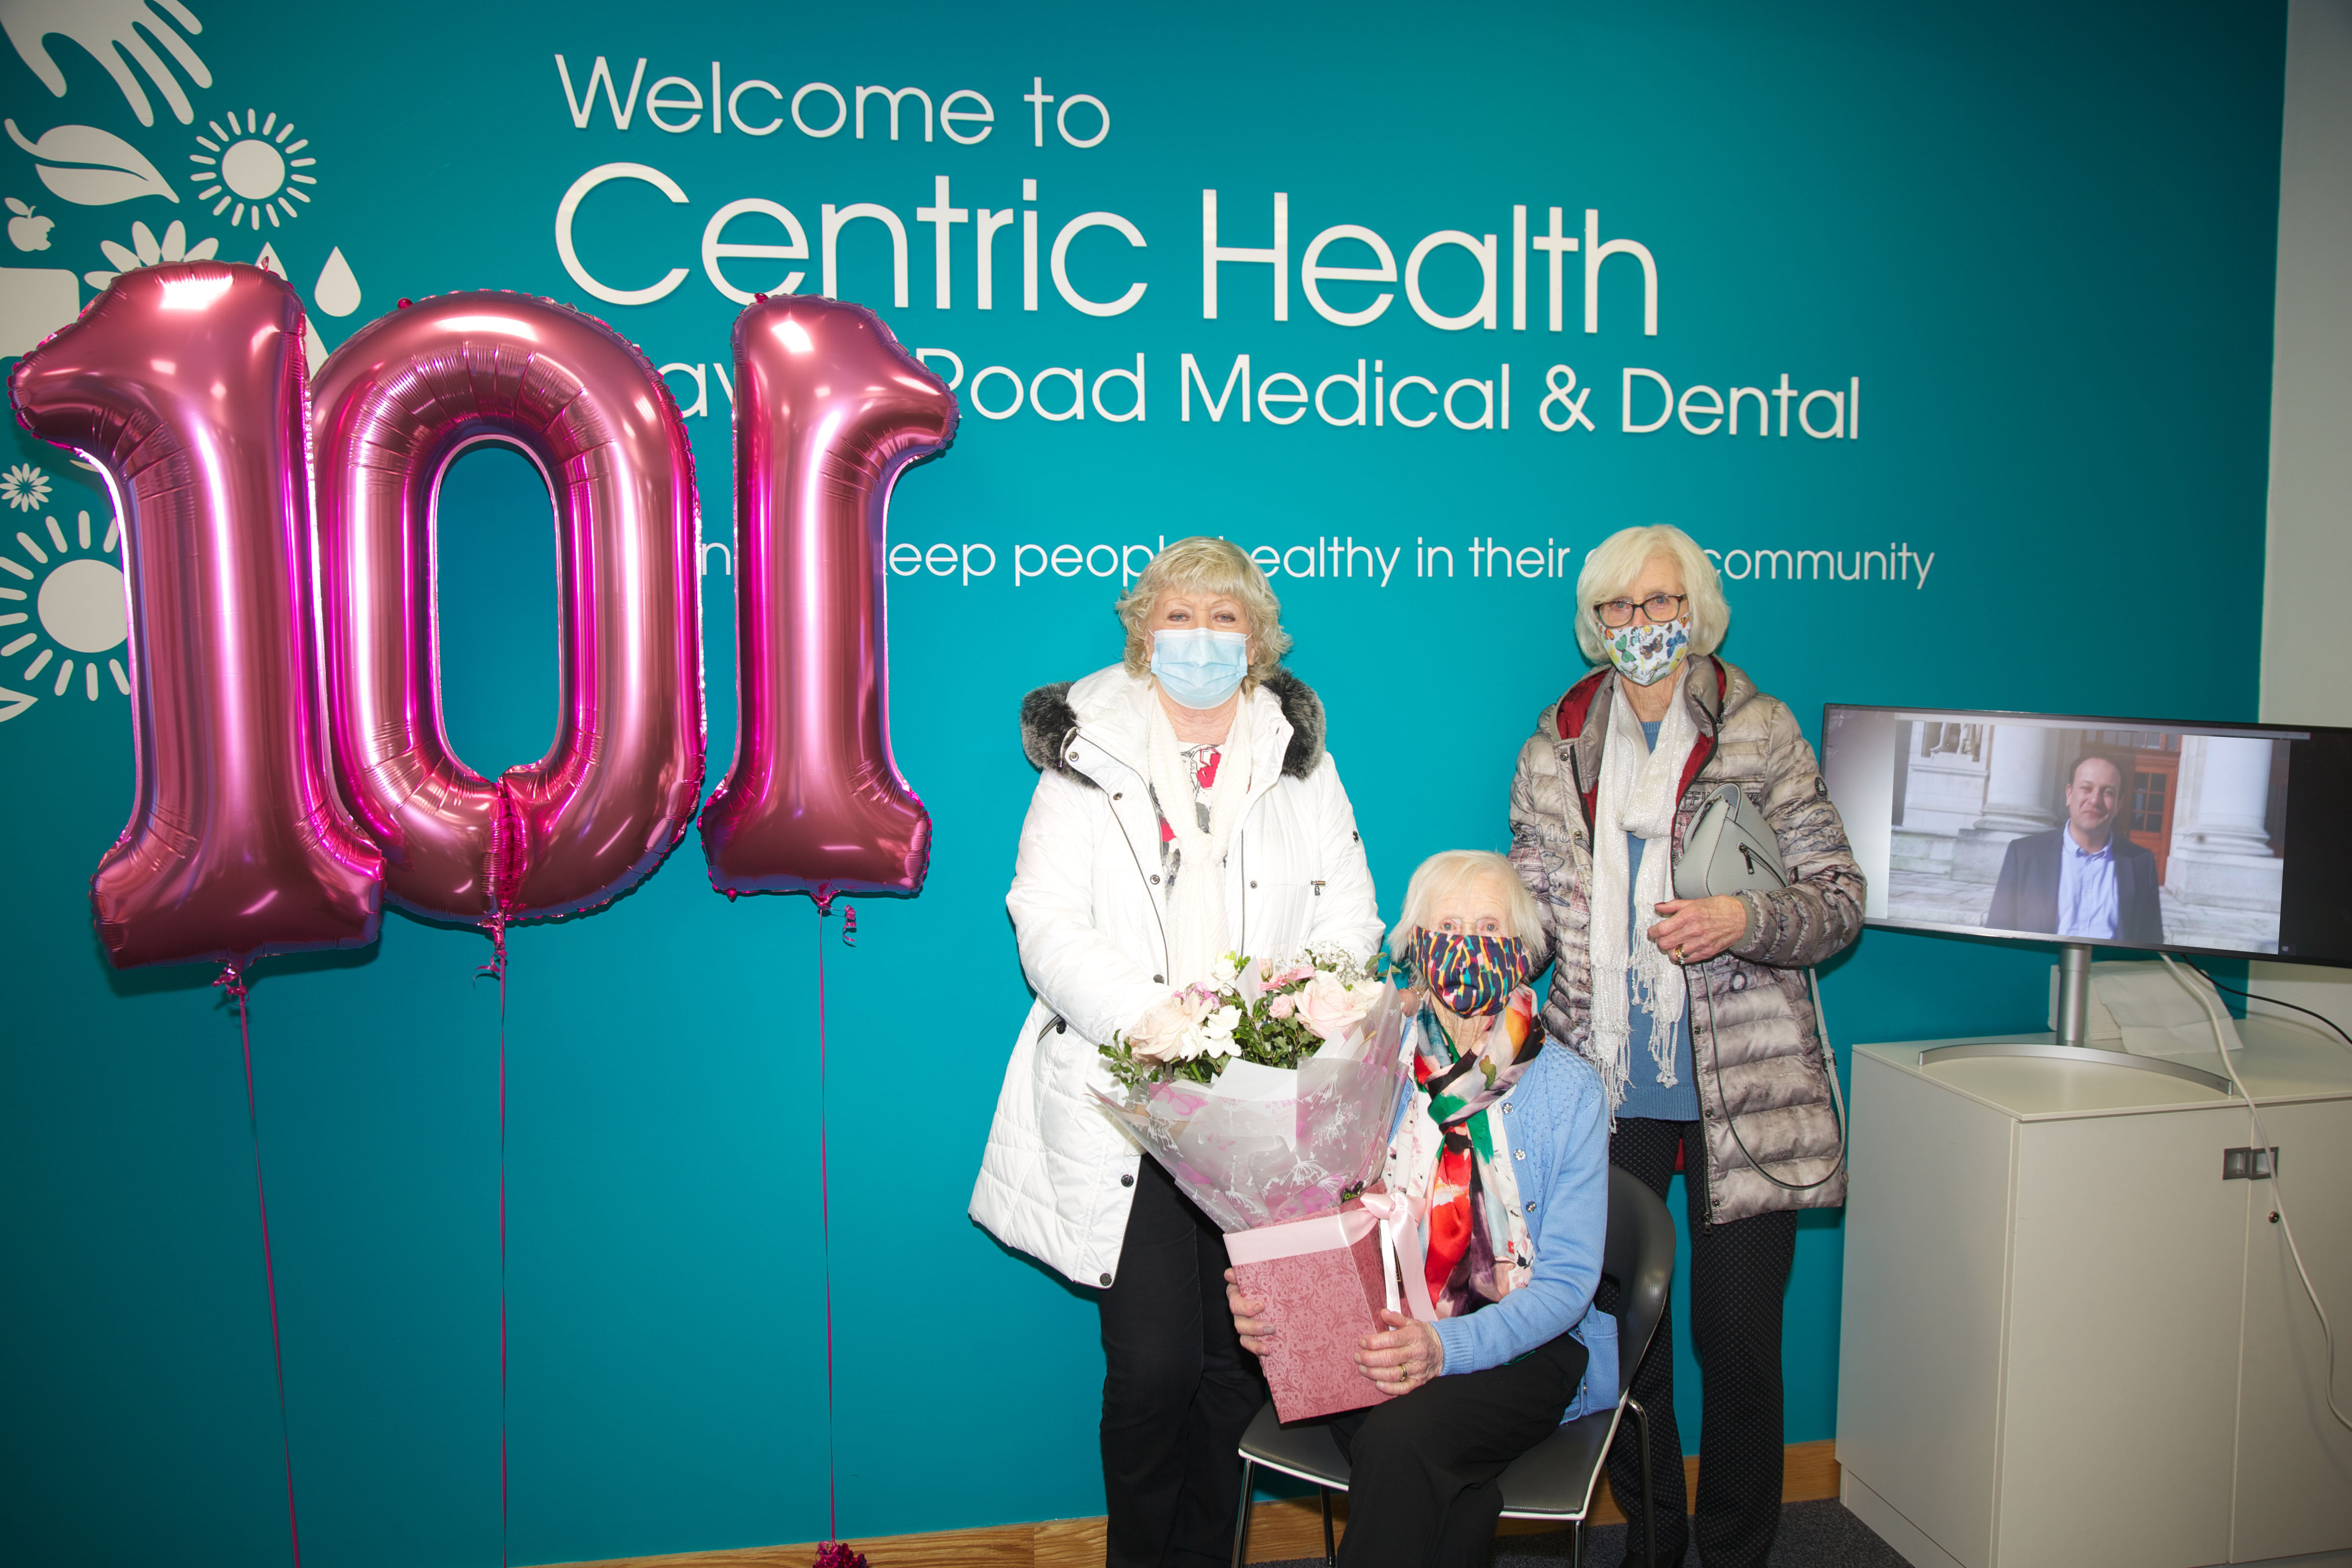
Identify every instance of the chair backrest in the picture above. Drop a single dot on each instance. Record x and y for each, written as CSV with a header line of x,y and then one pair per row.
x,y
1640,1255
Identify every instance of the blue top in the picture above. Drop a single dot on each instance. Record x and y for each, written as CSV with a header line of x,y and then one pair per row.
x,y
2086,886
1556,1121
1644,1094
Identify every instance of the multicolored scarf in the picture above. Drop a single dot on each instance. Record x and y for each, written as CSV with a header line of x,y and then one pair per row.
x,y
1456,1159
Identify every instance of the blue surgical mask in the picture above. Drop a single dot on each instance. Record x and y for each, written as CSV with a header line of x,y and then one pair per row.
x,y
1199,667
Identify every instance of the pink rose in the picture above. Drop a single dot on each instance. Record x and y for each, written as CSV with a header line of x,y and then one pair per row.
x,y
1329,1008
1281,1007
1295,973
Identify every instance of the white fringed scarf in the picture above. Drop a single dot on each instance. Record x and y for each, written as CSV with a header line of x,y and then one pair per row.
x,y
1639,790
1197,927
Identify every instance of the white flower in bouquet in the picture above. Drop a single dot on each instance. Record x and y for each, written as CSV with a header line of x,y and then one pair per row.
x,y
1217,1032
1331,1007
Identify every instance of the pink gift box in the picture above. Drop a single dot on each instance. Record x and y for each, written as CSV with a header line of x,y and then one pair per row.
x,y
1323,1284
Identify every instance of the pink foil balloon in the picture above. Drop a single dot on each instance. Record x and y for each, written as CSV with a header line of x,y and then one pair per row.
x,y
396,404
184,383
829,411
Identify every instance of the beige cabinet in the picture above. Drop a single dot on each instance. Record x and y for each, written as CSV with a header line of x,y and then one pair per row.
x,y
2067,1339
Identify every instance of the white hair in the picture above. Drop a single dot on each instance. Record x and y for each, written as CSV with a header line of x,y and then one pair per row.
x,y
1445,874
1614,566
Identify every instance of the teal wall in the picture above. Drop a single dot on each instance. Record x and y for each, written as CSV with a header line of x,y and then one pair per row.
x,y
2042,237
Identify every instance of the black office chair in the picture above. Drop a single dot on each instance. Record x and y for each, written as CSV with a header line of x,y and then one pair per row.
x,y
1555,1479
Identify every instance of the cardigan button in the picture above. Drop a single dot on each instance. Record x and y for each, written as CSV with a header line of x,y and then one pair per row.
x,y
1160,980
1531,1208
1518,1153
1127,1180
1106,1279
1155,878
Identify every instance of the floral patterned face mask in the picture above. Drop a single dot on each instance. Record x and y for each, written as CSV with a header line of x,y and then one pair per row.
x,y
1645,653
1472,975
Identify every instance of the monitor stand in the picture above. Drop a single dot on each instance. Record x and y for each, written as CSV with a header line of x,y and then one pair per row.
x,y
2073,1041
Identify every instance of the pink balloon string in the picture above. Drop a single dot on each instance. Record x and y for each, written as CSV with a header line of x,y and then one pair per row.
x,y
496,927
834,1553
231,981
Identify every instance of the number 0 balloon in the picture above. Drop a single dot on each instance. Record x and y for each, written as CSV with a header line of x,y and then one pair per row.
x,y
396,404
829,411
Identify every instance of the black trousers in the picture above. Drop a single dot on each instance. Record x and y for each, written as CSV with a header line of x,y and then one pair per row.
x,y
1739,1274
1178,1389
1422,1468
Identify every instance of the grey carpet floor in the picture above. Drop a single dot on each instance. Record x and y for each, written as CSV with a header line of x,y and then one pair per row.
x,y
1812,1535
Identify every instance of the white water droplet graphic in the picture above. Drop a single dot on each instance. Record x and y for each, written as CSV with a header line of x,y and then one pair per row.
x,y
338,292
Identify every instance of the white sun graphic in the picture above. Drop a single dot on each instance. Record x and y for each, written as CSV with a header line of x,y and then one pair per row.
x,y
251,165
70,607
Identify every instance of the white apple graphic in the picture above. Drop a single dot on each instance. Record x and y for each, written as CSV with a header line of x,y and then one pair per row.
x,y
26,232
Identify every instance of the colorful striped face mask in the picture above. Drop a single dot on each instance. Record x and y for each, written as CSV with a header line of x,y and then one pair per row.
x,y
1472,975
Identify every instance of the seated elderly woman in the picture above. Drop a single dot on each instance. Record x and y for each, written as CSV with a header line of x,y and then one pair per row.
x,y
1504,1149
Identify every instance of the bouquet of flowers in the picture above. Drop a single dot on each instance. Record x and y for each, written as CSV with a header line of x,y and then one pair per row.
x,y
1276,1015
1268,1093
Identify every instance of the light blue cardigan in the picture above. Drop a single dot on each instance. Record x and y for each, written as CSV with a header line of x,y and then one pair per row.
x,y
1556,1119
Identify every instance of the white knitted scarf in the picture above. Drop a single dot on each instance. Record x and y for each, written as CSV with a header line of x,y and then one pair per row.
x,y
1639,792
1197,925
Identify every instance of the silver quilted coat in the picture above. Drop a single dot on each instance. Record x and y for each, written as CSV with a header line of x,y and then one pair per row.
x,y
1761,1079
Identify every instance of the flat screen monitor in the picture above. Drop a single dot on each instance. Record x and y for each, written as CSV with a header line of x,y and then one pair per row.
x,y
2228,839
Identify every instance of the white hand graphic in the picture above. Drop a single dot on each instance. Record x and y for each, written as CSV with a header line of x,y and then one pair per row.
x,y
103,26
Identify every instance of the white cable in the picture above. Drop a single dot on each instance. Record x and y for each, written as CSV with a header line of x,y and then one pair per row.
x,y
2209,997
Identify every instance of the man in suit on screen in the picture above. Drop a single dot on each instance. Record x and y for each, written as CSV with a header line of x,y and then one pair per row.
x,y
2085,878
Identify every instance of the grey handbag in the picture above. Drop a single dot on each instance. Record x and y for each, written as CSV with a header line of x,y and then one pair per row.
x,y
1729,850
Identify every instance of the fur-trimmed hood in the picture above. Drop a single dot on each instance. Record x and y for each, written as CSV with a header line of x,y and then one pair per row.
x,y
1050,719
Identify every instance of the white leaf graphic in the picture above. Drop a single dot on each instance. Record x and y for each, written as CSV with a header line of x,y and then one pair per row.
x,y
116,171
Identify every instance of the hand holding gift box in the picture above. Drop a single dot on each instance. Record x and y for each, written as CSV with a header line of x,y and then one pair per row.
x,y
1271,1100
1317,1289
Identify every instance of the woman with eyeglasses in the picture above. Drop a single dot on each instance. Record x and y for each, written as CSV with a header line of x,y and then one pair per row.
x,y
1695,1012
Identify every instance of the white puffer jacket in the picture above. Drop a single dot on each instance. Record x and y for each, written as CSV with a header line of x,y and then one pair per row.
x,y
1088,909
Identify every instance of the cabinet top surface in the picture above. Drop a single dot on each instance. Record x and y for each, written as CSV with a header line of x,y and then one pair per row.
x,y
2283,1060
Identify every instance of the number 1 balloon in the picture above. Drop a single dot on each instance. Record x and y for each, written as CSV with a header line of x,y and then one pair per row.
x,y
829,411
184,385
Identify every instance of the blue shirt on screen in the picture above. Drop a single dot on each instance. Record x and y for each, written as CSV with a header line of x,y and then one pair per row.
x,y
1645,1096
2086,886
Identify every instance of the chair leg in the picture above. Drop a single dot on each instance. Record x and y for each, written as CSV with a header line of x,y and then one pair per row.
x,y
1241,1523
1648,1508
1330,1548
1576,1546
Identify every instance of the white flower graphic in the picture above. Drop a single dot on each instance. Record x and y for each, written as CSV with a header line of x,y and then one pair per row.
x,y
147,250
24,487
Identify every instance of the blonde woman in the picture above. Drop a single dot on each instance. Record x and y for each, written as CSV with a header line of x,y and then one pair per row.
x,y
1503,1150
1695,1012
1186,808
